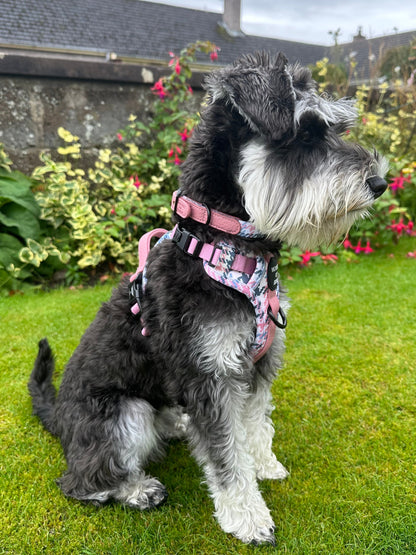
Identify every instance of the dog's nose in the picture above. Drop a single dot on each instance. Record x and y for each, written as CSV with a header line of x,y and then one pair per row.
x,y
377,185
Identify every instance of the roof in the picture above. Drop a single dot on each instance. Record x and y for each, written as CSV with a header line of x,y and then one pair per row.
x,y
145,32
130,28
368,52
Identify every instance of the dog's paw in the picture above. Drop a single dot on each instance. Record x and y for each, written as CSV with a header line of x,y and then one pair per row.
x,y
271,469
250,523
181,425
148,494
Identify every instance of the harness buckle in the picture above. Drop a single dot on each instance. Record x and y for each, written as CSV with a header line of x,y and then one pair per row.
x,y
183,239
136,291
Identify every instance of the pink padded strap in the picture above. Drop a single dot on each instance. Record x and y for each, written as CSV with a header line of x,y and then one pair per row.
x,y
144,249
274,305
188,208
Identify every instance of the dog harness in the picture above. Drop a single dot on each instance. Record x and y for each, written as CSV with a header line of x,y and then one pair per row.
x,y
253,276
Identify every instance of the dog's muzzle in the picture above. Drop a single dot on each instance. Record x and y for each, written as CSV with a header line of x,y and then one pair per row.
x,y
377,185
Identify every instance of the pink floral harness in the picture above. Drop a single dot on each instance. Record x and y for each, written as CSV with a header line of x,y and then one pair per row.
x,y
253,276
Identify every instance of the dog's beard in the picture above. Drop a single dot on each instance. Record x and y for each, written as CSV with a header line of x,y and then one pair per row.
x,y
316,212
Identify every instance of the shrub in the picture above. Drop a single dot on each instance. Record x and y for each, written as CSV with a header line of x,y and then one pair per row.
x,y
19,221
94,217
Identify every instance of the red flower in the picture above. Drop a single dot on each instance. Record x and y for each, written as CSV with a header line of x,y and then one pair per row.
x,y
214,55
159,89
306,256
175,151
347,244
177,67
185,135
136,181
398,182
401,227
367,249
119,136
358,248
411,254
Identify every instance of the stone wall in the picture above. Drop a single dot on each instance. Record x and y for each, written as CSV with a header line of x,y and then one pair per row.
x,y
33,106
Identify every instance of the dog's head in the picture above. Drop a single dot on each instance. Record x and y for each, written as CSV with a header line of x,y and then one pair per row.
x,y
294,175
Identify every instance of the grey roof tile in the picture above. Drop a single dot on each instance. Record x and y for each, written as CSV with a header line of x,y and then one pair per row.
x,y
129,28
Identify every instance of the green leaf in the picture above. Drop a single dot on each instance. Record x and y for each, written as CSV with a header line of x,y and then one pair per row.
x,y
9,250
15,187
19,218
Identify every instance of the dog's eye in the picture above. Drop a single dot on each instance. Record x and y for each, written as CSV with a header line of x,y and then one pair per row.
x,y
312,129
307,137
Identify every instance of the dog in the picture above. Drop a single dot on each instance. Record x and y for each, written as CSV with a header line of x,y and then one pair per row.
x,y
184,348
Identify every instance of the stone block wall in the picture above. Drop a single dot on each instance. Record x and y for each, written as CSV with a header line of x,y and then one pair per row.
x,y
33,106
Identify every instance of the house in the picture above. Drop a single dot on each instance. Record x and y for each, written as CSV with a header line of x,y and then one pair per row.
x,y
367,53
87,64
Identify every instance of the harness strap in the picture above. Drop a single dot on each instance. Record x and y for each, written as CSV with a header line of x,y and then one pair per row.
x,y
190,245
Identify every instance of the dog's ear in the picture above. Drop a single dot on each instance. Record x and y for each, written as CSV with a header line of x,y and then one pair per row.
x,y
261,90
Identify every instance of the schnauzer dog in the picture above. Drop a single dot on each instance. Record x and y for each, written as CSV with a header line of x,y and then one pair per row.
x,y
190,344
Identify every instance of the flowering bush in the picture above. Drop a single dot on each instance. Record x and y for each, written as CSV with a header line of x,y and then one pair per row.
x,y
93,218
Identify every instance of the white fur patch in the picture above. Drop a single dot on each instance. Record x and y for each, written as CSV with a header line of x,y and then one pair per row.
x,y
323,207
223,348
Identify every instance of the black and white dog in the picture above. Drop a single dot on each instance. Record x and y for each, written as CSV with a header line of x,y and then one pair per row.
x,y
191,358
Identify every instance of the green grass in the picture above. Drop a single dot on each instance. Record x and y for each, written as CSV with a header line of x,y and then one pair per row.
x,y
345,427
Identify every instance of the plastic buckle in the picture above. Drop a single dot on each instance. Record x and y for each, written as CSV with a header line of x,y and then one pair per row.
x,y
183,239
214,250
136,291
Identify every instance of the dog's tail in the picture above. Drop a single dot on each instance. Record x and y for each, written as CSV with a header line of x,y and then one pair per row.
x,y
41,388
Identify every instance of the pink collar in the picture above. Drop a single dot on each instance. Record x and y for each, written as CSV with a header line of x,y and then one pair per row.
x,y
185,208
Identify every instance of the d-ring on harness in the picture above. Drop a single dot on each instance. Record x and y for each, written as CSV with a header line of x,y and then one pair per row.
x,y
253,276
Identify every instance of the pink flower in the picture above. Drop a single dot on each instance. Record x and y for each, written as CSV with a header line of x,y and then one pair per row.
x,y
112,211
367,249
119,136
364,120
175,151
398,182
401,227
306,256
177,67
190,90
136,181
214,55
347,244
358,248
411,254
159,89
185,135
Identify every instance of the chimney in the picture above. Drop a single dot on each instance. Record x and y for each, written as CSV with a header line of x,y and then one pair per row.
x,y
231,18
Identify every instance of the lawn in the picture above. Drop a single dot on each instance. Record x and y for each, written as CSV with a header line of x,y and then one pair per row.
x,y
345,427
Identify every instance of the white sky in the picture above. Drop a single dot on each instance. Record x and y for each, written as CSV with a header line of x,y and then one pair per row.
x,y
311,20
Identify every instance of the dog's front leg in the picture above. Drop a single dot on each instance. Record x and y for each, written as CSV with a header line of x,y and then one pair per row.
x,y
218,436
260,432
